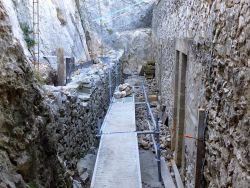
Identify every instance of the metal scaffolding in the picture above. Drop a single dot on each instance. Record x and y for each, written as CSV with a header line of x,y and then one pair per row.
x,y
36,34
154,131
152,123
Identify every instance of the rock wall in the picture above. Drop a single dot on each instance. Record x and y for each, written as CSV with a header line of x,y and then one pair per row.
x,y
79,108
60,27
45,130
27,150
216,35
105,21
137,46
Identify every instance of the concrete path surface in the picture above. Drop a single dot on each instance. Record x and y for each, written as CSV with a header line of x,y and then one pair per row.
x,y
117,164
120,117
149,170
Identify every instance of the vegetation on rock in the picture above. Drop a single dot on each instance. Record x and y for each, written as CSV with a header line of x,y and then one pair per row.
x,y
60,16
32,185
27,32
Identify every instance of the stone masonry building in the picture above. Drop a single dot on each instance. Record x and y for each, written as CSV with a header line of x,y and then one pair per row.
x,y
202,54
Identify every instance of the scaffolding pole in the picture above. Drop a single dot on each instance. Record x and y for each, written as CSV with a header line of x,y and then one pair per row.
x,y
153,126
156,137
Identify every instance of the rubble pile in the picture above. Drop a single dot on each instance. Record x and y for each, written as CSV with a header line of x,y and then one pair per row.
x,y
123,91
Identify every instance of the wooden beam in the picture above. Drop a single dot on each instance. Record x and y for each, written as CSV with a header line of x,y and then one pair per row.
x,y
180,129
176,91
200,155
166,176
60,67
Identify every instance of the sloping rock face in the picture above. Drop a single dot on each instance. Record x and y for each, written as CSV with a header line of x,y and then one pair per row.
x,y
27,151
217,79
137,45
60,27
105,20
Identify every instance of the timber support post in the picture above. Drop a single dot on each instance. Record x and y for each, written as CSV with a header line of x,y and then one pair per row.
x,y
60,67
200,149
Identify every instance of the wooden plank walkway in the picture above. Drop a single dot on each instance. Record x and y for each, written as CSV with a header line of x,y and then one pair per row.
x,y
117,163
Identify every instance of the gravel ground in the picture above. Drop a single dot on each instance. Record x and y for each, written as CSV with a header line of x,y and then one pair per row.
x,y
145,141
148,167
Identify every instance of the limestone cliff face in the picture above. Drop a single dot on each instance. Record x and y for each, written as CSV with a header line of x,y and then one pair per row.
x,y
82,28
137,46
38,142
60,27
217,79
106,21
27,153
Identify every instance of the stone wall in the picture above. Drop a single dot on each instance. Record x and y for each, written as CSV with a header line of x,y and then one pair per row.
x,y
217,38
79,108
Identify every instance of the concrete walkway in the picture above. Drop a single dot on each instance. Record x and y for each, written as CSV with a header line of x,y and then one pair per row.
x,y
117,164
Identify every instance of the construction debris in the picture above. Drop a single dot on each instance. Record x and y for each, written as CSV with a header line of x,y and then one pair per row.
x,y
123,91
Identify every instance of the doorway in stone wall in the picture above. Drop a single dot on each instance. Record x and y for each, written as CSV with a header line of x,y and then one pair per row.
x,y
179,102
181,95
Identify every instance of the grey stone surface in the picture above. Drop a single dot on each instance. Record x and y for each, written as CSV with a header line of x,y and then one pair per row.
x,y
119,25
117,166
149,170
79,106
75,26
87,163
103,19
117,163
217,80
60,26
137,45
27,148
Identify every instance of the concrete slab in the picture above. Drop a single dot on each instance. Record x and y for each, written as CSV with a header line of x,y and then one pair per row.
x,y
117,163
121,117
166,176
149,170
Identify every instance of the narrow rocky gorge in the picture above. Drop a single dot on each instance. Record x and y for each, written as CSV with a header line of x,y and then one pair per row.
x,y
27,151
193,58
